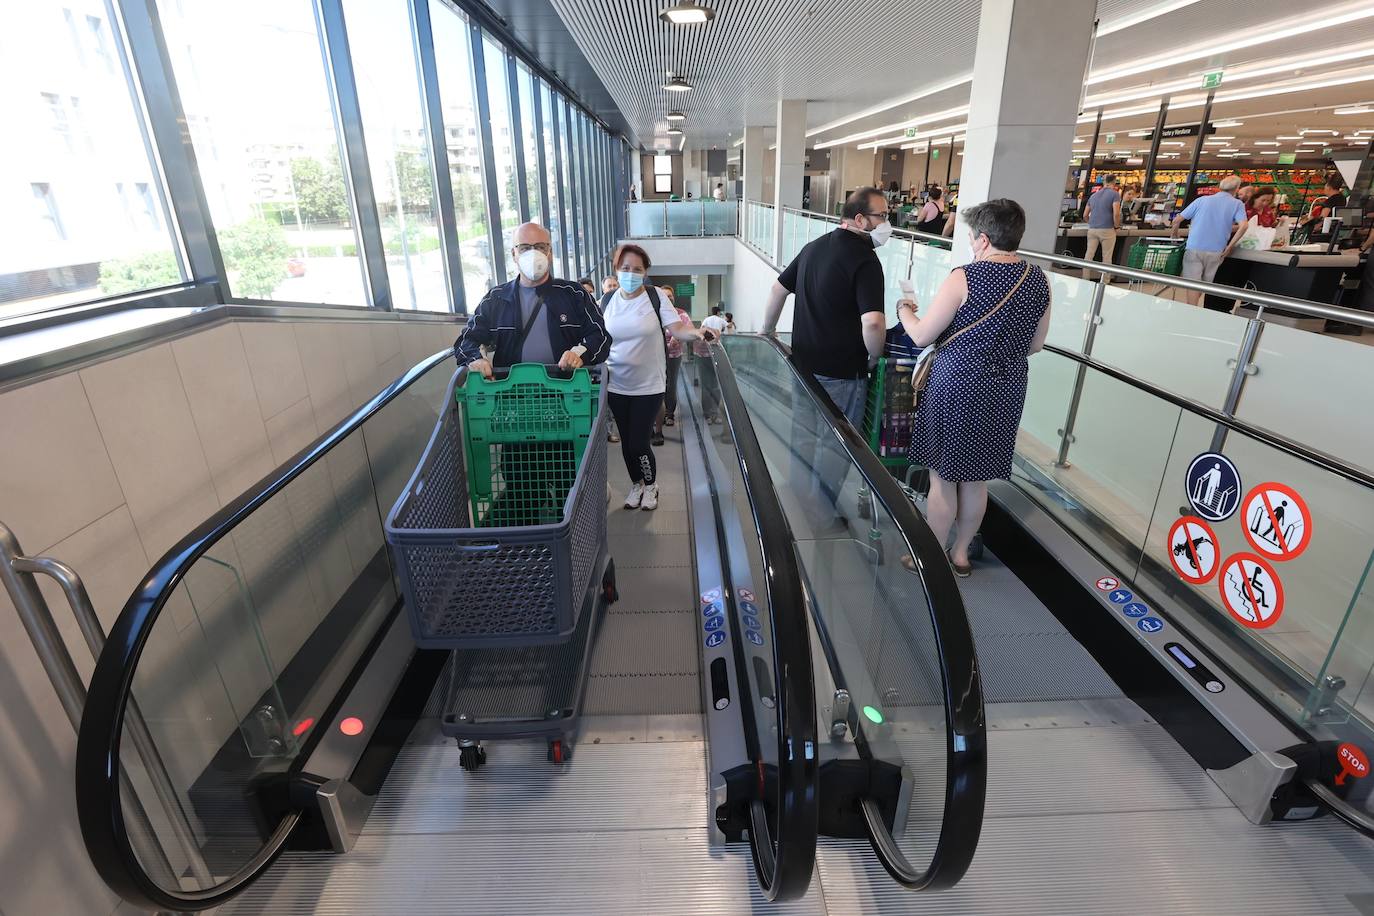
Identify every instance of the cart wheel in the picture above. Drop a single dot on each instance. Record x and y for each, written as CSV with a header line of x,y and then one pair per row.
x,y
975,547
559,753
608,589
471,757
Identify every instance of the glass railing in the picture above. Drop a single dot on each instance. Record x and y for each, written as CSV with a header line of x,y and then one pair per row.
x,y
758,226
893,629
233,648
658,218
1301,619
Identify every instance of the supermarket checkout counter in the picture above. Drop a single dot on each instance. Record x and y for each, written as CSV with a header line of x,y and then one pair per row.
x,y
1073,239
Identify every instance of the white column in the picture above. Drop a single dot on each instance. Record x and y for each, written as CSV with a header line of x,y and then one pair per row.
x,y
752,162
1027,81
789,166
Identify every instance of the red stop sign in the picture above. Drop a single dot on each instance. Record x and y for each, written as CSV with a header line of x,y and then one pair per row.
x,y
1353,763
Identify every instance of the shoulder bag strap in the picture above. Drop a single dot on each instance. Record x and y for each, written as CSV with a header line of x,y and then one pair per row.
x,y
534,315
992,311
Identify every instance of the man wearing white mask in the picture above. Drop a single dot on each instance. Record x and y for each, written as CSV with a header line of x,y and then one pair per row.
x,y
534,318
838,327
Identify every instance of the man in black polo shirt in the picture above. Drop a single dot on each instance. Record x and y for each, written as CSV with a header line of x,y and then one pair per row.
x,y
837,328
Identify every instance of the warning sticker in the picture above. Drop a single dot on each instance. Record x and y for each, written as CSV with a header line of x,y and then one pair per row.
x,y
1213,486
1107,583
1251,590
1277,521
1193,549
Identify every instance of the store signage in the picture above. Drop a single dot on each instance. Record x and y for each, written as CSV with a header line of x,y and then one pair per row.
x,y
1182,130
910,133
1111,138
1211,80
1327,151
1287,158
685,289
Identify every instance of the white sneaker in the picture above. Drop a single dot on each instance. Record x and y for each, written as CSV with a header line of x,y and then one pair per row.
x,y
633,498
650,500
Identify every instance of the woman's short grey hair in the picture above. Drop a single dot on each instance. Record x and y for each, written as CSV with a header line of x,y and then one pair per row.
x,y
1002,220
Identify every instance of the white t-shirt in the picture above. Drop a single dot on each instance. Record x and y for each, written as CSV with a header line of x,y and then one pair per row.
x,y
716,323
637,361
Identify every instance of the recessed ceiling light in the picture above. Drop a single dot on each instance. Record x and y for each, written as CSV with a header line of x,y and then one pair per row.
x,y
1214,142
1267,143
677,84
1172,143
1287,137
675,131
1269,152
1223,137
1227,123
1136,161
1354,110
1318,130
675,116
687,13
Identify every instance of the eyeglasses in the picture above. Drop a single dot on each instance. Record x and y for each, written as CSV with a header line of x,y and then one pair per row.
x,y
533,246
883,215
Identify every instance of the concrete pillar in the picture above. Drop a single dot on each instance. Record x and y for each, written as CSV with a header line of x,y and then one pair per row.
x,y
1027,81
789,166
752,162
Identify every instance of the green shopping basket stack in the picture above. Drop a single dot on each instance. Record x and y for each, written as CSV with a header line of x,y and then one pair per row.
x,y
1161,255
524,438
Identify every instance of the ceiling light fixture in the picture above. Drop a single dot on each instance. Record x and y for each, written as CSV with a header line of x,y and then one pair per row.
x,y
677,84
892,103
1221,124
1287,137
687,13
1126,22
1313,130
675,131
1140,133
1353,110
675,116
1267,143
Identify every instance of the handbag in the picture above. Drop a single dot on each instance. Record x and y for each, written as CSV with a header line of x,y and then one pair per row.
x,y
920,375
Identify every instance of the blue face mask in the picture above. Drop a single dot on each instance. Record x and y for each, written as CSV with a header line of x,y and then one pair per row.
x,y
629,281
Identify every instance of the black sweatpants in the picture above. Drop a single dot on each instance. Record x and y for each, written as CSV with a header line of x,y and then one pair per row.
x,y
634,416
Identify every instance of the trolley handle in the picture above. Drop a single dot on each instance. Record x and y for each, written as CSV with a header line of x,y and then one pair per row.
x,y
478,547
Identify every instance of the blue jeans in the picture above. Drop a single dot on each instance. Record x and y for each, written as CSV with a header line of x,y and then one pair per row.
x,y
819,462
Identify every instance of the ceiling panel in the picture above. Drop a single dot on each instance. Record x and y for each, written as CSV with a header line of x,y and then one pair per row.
x,y
845,57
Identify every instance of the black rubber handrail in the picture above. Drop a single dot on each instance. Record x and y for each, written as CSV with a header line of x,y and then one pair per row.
x,y
966,728
98,765
783,863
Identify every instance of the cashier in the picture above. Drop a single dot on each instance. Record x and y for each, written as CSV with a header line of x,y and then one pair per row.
x,y
1335,199
1261,208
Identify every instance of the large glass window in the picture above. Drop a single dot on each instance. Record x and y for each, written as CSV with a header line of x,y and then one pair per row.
x,y
385,69
663,174
75,142
533,180
453,51
253,84
552,167
502,140
570,184
584,213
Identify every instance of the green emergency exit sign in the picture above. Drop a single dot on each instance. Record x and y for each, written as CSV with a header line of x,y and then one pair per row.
x,y
1111,138
685,289
910,133
935,152
1211,80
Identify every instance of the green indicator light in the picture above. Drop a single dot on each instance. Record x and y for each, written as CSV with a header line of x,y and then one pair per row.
x,y
873,715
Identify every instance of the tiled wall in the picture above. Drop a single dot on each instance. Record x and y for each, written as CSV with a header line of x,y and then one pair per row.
x,y
105,468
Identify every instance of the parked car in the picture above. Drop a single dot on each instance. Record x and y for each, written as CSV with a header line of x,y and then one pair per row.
x,y
295,267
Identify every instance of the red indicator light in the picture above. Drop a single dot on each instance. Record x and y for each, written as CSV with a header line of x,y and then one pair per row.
x,y
351,726
302,727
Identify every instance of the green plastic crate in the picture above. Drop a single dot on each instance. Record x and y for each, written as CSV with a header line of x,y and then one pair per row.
x,y
524,437
887,412
1160,257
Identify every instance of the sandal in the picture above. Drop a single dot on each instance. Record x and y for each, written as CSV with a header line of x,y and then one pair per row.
x,y
963,572
657,440
670,420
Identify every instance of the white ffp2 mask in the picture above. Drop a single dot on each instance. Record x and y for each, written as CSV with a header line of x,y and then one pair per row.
x,y
533,264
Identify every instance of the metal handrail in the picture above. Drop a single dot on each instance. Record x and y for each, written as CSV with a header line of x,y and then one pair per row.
x,y
99,767
966,729
785,875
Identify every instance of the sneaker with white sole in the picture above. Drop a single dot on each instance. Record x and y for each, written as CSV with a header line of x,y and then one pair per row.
x,y
649,502
635,496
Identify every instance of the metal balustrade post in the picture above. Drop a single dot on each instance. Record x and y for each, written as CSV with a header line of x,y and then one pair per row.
x,y
1093,318
1242,367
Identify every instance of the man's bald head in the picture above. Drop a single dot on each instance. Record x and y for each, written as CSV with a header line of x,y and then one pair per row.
x,y
531,234
532,253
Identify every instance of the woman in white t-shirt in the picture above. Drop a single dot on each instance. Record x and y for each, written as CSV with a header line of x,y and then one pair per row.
x,y
636,318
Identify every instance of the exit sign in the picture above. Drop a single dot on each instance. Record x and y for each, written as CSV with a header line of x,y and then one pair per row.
x,y
1211,80
910,133
1111,138
935,152
685,290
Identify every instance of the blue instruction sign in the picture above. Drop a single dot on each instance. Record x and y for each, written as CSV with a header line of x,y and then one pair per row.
x,y
714,639
1213,486
712,610
1150,624
749,607
752,623
713,623
1120,596
754,636
1135,609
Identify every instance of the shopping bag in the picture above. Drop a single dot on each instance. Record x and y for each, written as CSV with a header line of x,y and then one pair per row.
x,y
1257,237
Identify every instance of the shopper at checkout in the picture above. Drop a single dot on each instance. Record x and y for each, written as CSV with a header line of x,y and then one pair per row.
x,y
1261,208
1104,219
1218,222
535,318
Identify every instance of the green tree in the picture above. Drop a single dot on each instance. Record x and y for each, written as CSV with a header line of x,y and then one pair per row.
x,y
319,188
412,173
255,254
146,271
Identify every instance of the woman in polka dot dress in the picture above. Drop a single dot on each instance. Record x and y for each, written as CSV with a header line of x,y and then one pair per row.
x,y
966,423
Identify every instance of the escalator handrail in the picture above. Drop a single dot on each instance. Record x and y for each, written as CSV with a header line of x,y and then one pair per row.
x,y
966,730
98,765
786,873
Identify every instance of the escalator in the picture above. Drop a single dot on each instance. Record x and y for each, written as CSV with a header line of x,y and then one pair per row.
x,y
263,736
1131,764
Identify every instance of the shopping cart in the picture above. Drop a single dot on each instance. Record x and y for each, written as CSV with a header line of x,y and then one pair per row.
x,y
1161,255
499,542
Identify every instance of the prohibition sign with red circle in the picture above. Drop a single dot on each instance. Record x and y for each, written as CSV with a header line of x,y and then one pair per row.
x,y
1268,521
1193,549
1249,582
